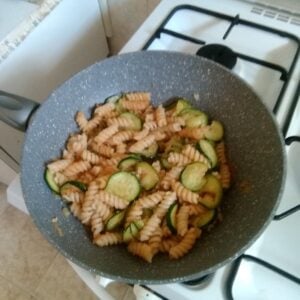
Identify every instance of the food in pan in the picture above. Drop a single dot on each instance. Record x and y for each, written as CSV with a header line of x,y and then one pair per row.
x,y
149,177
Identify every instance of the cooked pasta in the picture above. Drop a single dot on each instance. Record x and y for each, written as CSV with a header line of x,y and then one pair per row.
x,y
185,244
184,194
108,238
194,155
142,250
182,219
148,177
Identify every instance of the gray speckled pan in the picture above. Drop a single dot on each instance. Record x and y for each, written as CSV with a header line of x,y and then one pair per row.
x,y
254,145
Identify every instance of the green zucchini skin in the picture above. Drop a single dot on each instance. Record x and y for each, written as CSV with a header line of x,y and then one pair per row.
x,y
181,105
214,131
205,218
149,177
49,179
134,119
171,217
149,152
192,177
115,221
75,183
128,163
209,152
194,117
211,193
124,185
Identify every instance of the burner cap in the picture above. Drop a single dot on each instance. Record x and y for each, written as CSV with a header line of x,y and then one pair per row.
x,y
219,53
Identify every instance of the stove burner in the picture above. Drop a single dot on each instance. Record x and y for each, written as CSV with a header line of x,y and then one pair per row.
x,y
199,282
219,53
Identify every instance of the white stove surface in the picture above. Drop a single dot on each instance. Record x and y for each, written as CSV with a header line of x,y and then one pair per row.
x,y
280,243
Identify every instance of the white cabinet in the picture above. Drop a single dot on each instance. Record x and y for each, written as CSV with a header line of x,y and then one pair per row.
x,y
69,39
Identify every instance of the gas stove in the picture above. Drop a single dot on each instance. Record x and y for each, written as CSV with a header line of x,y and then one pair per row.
x,y
260,43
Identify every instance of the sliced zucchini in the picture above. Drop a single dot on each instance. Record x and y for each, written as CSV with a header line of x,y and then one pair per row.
x,y
127,235
124,185
181,105
150,151
214,131
171,217
130,232
128,163
192,177
211,193
73,184
134,119
148,175
175,144
164,161
205,218
113,98
134,230
139,224
194,117
49,178
209,151
115,221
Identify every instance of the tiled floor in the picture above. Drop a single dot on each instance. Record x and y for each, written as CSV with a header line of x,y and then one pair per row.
x,y
30,268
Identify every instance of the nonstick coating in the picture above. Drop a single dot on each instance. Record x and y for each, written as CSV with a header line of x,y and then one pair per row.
x,y
254,144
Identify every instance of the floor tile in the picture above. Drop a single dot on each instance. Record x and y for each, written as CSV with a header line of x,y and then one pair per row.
x,y
10,291
151,4
22,259
3,201
126,17
61,282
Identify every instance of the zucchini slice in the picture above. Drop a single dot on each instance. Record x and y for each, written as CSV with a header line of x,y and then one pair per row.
x,y
115,221
127,236
113,98
192,177
171,217
134,119
128,163
130,232
214,131
164,162
148,175
139,224
73,184
175,144
194,117
150,152
49,179
205,218
124,185
211,193
181,105
209,151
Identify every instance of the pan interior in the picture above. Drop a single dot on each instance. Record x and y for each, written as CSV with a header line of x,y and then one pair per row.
x,y
254,149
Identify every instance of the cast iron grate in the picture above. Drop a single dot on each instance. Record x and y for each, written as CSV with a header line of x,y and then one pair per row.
x,y
285,74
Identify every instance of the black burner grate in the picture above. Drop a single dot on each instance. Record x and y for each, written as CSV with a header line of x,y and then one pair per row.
x,y
232,276
285,74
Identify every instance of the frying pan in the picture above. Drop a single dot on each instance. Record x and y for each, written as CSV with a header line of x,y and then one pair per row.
x,y
255,150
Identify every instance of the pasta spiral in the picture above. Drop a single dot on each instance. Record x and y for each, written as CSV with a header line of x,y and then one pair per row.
x,y
186,244
108,238
142,250
183,194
